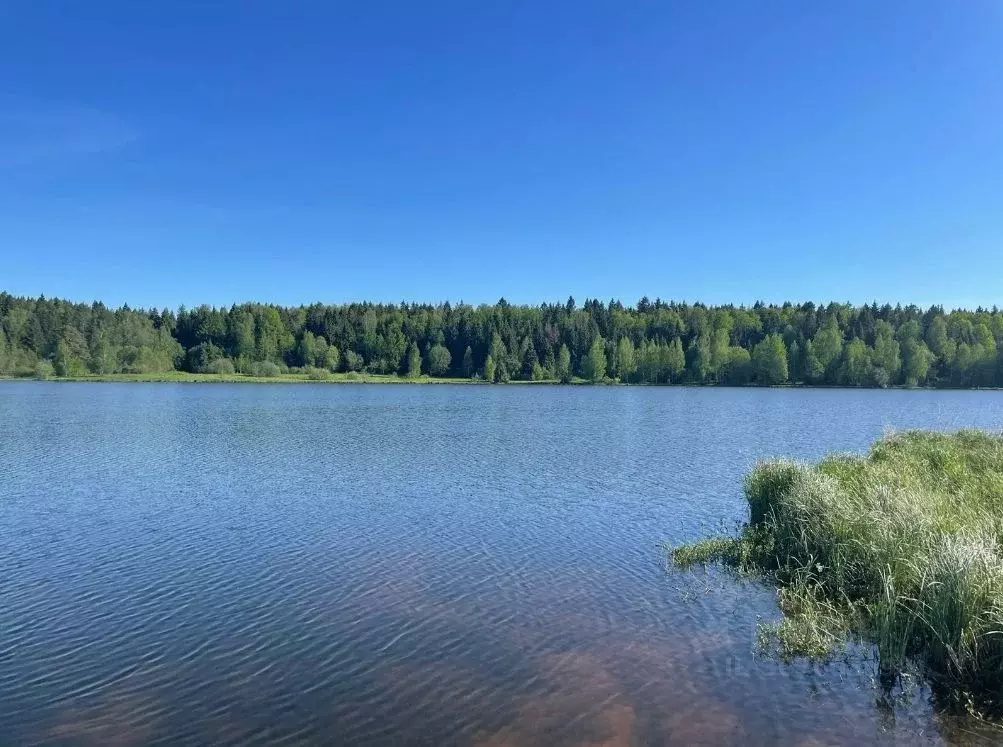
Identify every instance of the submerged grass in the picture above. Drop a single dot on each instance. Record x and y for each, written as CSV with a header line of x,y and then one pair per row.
x,y
902,547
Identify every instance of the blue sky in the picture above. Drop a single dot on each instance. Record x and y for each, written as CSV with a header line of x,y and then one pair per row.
x,y
160,153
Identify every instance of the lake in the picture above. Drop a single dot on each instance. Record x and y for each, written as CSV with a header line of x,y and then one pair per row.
x,y
385,564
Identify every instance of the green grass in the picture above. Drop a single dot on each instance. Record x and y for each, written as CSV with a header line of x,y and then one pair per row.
x,y
902,547
336,378
287,378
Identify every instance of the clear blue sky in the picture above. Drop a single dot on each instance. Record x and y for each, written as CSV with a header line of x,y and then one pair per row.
x,y
181,151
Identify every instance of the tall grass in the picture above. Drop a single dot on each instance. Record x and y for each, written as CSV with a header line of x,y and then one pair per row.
x,y
902,547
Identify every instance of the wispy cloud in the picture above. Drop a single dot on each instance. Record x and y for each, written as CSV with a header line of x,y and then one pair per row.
x,y
34,133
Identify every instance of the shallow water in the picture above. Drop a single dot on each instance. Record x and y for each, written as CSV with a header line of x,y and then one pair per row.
x,y
241,564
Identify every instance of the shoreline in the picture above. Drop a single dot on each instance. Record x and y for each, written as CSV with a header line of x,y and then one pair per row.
x,y
184,377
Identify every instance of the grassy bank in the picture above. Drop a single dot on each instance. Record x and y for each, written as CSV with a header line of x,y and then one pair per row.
x,y
901,547
369,378
334,378
283,378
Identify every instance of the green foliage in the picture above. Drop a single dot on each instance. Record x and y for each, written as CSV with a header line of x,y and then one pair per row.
x,y
626,364
467,366
594,366
736,369
200,358
937,339
903,547
674,361
413,361
332,358
720,346
265,369
564,364
439,360
769,361
855,368
916,360
827,346
353,361
222,366
5,356
711,550
490,370
812,370
655,342
66,362
701,359
43,369
885,356
530,360
498,352
306,351
316,374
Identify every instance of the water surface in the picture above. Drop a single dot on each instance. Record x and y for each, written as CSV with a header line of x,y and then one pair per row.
x,y
364,564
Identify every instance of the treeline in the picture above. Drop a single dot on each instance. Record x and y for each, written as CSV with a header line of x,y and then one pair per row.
x,y
654,342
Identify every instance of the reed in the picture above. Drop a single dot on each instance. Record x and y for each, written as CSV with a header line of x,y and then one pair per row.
x,y
901,547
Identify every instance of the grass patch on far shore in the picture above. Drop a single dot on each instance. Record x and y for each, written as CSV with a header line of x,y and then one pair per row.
x,y
285,378
314,376
902,547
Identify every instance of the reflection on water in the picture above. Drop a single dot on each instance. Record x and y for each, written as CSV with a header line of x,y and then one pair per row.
x,y
413,565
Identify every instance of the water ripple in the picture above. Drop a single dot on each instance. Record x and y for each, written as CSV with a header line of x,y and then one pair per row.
x,y
411,565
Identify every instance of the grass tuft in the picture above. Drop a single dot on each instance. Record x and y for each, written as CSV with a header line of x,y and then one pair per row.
x,y
903,547
714,549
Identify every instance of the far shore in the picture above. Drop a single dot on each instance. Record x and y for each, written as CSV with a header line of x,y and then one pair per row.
x,y
184,377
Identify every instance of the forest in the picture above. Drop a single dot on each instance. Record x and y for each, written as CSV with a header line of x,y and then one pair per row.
x,y
653,342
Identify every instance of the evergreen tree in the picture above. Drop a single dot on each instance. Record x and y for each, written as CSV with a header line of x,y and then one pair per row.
x,y
549,365
499,354
467,366
530,361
